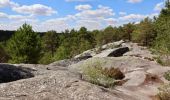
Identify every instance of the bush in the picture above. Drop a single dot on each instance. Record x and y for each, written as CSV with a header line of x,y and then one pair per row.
x,y
164,93
3,55
167,75
163,60
46,58
103,77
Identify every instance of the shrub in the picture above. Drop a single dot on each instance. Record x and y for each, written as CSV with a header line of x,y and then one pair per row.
x,y
103,77
164,93
3,55
46,58
167,75
163,60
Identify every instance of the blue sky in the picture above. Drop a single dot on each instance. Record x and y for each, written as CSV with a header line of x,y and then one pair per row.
x,y
59,15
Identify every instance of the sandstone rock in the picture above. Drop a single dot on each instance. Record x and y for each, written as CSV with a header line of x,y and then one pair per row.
x,y
142,76
66,62
125,64
135,78
112,45
138,51
85,55
93,52
59,85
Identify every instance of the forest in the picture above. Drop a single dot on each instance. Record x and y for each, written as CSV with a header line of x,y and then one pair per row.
x,y
27,46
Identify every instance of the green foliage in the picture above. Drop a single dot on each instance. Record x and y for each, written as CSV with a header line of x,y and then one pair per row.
x,y
128,30
144,32
162,27
46,58
63,52
24,46
158,60
109,34
103,77
51,42
74,43
3,54
167,75
164,92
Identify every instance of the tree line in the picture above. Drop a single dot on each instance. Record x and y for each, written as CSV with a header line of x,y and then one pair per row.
x,y
27,46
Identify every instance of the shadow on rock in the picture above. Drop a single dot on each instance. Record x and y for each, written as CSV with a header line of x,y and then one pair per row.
x,y
119,52
9,73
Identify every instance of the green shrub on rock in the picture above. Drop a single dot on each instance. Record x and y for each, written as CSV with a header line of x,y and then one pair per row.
x,y
167,75
102,76
164,93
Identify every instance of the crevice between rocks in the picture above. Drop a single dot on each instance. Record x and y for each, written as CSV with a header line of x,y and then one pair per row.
x,y
9,73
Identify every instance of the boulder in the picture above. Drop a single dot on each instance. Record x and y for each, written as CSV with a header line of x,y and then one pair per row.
x,y
112,45
103,49
86,54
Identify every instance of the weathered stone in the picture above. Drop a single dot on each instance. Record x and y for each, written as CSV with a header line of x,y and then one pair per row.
x,y
59,85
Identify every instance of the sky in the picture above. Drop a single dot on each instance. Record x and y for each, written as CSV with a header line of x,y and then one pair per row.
x,y
45,15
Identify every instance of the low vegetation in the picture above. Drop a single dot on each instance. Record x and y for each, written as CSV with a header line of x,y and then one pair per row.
x,y
164,93
102,76
167,75
3,55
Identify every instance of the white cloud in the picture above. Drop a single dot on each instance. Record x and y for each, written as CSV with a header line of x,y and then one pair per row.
x,y
111,21
122,13
97,18
36,9
90,24
6,3
132,17
16,17
3,15
159,6
101,12
83,7
134,1
92,19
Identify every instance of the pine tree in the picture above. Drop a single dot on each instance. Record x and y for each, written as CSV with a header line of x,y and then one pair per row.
x,y
162,27
3,55
51,42
128,30
24,46
144,33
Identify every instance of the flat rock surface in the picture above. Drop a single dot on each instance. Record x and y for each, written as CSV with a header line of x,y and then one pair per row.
x,y
59,85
